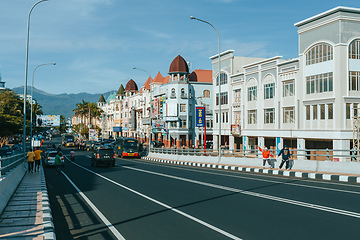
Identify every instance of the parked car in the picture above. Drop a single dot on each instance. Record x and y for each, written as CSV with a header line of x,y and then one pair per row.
x,y
103,156
49,159
157,144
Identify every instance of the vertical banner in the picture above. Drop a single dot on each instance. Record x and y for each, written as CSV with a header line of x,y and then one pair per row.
x,y
200,117
156,108
244,142
278,145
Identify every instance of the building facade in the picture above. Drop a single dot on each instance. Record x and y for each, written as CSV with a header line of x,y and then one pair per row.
x,y
307,102
164,109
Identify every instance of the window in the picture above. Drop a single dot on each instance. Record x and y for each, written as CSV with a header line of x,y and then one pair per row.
x,y
173,95
173,124
217,118
252,117
307,112
269,115
330,111
288,88
354,81
322,111
348,110
314,112
355,107
182,107
288,114
319,83
354,50
223,79
183,123
223,98
206,93
237,96
320,52
183,95
269,90
252,93
209,123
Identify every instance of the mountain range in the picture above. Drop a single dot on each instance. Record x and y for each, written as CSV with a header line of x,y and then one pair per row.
x,y
60,104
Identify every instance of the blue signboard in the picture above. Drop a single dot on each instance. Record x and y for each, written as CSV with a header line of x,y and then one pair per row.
x,y
117,129
200,117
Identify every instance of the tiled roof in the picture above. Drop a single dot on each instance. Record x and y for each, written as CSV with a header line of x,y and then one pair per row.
x,y
131,86
121,91
147,83
112,96
101,99
200,75
166,79
178,65
158,78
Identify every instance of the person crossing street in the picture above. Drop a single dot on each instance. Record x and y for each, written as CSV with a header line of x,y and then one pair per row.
x,y
285,156
266,156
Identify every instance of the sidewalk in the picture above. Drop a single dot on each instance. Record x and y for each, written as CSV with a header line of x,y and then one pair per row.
x,y
351,178
28,214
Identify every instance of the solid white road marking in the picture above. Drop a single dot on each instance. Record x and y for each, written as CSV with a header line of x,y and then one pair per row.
x,y
229,235
96,210
279,199
272,181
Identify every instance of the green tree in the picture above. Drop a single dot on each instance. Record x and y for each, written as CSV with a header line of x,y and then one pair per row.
x,y
86,110
11,113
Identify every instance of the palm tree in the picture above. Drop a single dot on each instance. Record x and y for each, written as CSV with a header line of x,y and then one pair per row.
x,y
87,110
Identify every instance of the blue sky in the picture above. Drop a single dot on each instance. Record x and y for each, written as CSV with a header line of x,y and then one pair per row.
x,y
96,43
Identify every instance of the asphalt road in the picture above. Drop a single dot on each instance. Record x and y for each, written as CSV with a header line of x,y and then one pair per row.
x,y
144,200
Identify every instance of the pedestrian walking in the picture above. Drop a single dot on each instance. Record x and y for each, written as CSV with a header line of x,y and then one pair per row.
x,y
31,158
37,153
266,156
57,162
285,156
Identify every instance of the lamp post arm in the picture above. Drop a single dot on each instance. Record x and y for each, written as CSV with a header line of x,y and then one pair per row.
x,y
219,142
32,90
26,73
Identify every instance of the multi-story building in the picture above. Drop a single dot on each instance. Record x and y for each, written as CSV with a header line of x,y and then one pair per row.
x,y
167,103
307,102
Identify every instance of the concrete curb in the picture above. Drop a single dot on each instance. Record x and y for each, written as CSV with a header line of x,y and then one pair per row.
x,y
290,173
48,225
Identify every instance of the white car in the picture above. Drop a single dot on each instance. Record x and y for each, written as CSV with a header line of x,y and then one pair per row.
x,y
50,158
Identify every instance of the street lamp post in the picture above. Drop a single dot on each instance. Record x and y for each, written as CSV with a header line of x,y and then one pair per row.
x,y
26,72
150,105
32,90
219,142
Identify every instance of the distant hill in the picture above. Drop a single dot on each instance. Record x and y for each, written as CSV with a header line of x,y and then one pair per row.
x,y
60,104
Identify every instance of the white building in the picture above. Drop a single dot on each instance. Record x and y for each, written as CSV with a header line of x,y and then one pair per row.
x,y
305,103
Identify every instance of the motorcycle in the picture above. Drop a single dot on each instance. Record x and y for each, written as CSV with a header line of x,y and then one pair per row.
x,y
72,156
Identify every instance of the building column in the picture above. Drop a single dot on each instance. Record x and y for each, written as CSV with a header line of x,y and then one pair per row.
x,y
215,142
178,141
341,144
261,142
231,142
300,145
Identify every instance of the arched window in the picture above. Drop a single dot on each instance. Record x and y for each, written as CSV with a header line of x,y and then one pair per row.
x,y
252,89
320,52
354,49
206,93
173,95
223,79
269,86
